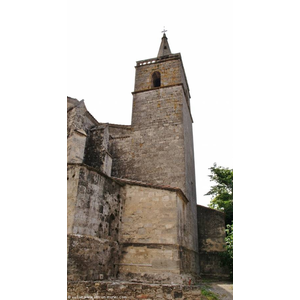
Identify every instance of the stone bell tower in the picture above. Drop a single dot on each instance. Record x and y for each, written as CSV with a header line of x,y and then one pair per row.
x,y
162,143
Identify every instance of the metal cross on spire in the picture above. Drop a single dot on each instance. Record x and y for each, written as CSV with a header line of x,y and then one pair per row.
x,y
164,31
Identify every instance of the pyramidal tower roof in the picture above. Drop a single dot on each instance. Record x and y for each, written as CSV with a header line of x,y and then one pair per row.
x,y
164,48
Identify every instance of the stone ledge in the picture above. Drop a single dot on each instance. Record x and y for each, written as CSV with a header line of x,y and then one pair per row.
x,y
157,88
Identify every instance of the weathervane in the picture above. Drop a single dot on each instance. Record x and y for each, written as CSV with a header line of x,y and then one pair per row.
x,y
164,31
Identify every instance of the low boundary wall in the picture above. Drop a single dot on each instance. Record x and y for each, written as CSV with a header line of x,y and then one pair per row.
x,y
127,290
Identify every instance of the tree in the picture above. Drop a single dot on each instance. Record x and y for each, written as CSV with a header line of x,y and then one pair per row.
x,y
222,199
222,192
227,256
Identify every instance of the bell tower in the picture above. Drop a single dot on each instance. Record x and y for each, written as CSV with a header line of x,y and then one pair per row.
x,y
162,121
162,143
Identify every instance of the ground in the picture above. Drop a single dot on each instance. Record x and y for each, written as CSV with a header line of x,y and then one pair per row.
x,y
223,289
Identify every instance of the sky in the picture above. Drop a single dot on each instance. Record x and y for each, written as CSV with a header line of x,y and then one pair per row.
x,y
106,38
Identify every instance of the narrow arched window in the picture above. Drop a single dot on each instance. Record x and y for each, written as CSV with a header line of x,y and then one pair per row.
x,y
156,79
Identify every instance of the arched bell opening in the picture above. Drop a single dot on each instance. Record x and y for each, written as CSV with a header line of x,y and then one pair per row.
x,y
156,79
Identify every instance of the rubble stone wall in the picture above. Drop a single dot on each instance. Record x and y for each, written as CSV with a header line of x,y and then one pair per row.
x,y
211,226
211,230
98,290
98,206
93,224
91,258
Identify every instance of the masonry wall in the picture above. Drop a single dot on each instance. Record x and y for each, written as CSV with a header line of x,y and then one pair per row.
x,y
189,258
170,71
72,189
155,243
91,258
79,121
157,141
78,118
76,146
98,205
149,234
149,215
185,85
190,180
211,231
152,150
93,224
96,150
120,149
124,290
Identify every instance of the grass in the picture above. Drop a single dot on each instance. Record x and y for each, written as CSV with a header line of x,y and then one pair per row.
x,y
208,294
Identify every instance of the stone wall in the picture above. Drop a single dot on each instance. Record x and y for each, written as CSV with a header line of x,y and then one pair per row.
x,y
98,206
185,84
148,221
189,260
211,230
155,244
170,70
76,146
118,227
120,148
190,179
79,121
72,189
211,226
158,141
152,150
94,214
149,216
149,234
96,151
91,258
129,291
78,117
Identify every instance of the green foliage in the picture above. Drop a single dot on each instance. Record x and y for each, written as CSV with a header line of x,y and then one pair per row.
x,y
222,199
222,192
229,240
227,256
208,294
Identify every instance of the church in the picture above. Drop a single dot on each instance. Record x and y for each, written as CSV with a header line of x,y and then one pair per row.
x,y
132,207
